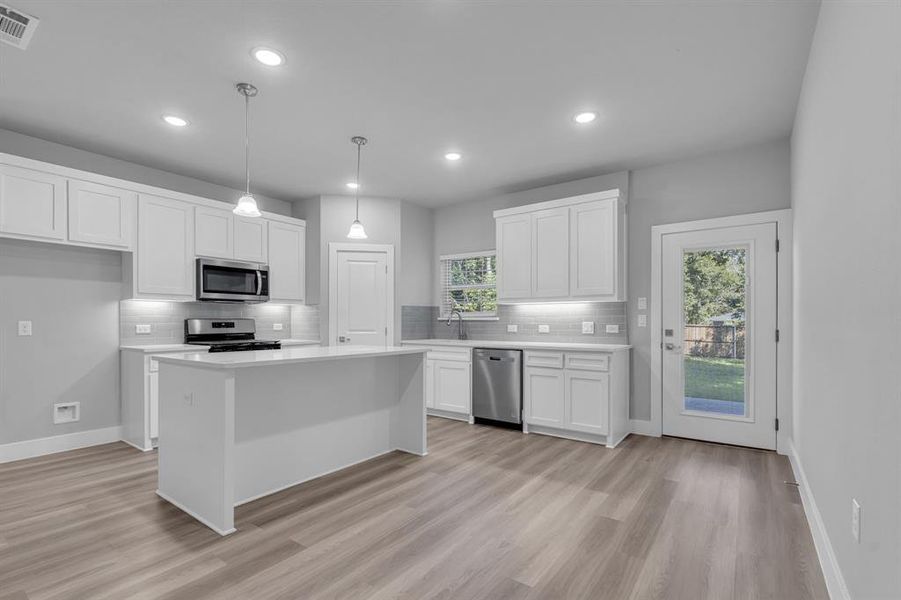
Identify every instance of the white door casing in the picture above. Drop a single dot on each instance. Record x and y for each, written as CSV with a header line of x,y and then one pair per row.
x,y
361,294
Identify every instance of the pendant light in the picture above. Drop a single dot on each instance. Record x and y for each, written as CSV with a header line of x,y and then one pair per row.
x,y
247,205
356,228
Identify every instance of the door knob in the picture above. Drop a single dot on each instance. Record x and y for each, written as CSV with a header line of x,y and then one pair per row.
x,y
671,346
343,339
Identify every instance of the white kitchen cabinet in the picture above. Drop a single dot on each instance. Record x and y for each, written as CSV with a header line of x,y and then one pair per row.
x,y
101,214
452,381
32,203
154,404
214,232
165,249
430,384
544,396
287,252
550,253
572,249
251,239
514,257
586,397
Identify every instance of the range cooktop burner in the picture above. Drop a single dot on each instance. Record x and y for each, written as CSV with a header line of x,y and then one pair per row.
x,y
226,335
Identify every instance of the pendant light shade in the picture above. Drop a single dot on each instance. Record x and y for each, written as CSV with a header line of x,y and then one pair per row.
x,y
247,204
356,228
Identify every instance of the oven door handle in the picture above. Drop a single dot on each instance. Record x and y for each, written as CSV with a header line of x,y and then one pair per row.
x,y
259,282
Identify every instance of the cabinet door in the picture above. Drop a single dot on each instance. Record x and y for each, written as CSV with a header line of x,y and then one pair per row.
x,y
587,399
430,384
214,232
165,247
287,249
544,396
32,203
593,249
100,214
514,256
550,253
251,243
452,386
154,405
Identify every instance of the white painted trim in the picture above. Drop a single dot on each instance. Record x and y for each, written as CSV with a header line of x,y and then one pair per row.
x,y
527,208
642,427
462,255
135,446
835,581
59,443
783,221
185,509
333,249
446,414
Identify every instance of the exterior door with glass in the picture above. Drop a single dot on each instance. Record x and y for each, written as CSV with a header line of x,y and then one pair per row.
x,y
719,335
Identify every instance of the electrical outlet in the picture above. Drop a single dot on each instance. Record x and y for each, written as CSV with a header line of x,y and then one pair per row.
x,y
66,412
544,329
277,326
612,329
642,320
588,327
855,520
642,304
142,329
512,328
24,327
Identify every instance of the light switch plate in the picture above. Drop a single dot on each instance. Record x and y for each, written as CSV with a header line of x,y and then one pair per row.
x,y
587,326
277,326
544,329
142,329
512,328
612,328
24,327
642,304
642,320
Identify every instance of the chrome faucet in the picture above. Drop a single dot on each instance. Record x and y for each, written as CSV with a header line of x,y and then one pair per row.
x,y
461,335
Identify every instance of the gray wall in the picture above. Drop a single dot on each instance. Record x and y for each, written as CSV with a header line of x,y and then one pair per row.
x,y
72,297
744,180
417,237
846,194
67,156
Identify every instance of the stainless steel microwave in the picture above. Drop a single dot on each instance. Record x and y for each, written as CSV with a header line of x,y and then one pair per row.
x,y
231,281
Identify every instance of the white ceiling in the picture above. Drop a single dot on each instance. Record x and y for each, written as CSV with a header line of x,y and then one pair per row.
x,y
498,81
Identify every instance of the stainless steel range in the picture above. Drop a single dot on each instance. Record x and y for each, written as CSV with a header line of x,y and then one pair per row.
x,y
226,335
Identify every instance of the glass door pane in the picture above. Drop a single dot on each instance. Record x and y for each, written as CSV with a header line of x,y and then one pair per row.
x,y
714,301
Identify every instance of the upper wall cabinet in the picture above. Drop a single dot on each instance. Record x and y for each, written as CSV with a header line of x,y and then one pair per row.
x,y
287,249
165,253
563,250
251,239
100,214
214,232
32,203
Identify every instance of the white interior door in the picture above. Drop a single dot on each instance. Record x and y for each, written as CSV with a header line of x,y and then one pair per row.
x,y
719,335
362,298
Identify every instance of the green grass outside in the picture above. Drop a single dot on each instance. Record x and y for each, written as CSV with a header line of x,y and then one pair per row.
x,y
715,378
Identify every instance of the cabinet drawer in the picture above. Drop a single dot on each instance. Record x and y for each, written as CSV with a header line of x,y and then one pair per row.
x,y
454,354
588,361
553,360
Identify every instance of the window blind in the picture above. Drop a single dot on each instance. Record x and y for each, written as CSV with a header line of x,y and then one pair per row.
x,y
468,284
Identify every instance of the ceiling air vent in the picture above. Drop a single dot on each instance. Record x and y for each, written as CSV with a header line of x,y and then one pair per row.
x,y
16,28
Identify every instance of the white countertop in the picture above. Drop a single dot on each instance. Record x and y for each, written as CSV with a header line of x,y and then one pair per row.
x,y
584,347
261,358
154,348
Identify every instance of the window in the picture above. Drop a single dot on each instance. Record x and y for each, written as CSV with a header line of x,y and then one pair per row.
x,y
468,283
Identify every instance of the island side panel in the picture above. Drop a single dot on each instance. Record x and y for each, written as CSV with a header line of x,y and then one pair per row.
x,y
408,424
196,443
299,421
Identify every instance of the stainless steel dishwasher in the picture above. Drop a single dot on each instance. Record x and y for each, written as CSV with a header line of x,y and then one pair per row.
x,y
497,385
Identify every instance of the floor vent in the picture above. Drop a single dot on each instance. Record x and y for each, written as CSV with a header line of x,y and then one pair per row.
x,y
16,28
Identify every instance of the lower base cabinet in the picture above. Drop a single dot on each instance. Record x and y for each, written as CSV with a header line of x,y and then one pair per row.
x,y
544,389
451,386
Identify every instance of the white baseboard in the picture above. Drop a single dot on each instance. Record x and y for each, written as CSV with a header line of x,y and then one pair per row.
x,y
640,427
222,532
835,582
58,443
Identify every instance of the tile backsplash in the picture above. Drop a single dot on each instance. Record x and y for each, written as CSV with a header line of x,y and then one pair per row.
x,y
166,319
564,323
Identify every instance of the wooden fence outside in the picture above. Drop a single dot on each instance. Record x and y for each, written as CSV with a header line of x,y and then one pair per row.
x,y
715,341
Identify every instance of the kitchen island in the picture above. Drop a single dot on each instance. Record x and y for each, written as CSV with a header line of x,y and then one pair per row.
x,y
236,426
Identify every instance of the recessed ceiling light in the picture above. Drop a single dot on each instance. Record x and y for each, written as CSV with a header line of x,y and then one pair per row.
x,y
268,56
175,121
352,185
585,117
453,156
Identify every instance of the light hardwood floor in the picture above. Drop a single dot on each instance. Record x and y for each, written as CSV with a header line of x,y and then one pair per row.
x,y
490,513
